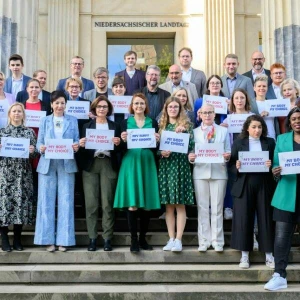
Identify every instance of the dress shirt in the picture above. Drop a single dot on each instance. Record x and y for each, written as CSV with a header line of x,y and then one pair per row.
x,y
231,84
186,75
17,86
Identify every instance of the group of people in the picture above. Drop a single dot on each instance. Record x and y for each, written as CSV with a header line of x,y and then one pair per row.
x,y
139,180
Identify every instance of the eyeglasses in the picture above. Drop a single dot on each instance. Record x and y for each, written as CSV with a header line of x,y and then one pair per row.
x,y
214,83
74,87
101,77
174,73
185,56
104,107
153,75
278,73
258,59
173,107
207,113
77,64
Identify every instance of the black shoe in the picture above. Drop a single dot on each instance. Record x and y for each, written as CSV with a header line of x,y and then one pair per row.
x,y
92,246
134,247
17,245
107,245
144,245
5,245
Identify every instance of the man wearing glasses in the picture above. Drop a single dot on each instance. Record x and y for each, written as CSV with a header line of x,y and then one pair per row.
x,y
76,66
257,61
277,75
101,80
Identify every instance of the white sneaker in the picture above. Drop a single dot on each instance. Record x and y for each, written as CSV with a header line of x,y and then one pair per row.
x,y
255,243
169,245
270,262
218,248
177,247
244,263
163,216
276,283
202,248
228,213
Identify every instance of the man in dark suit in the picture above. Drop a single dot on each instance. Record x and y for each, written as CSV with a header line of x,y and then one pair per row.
x,y
76,66
134,78
41,76
155,95
257,61
278,75
232,80
18,81
190,74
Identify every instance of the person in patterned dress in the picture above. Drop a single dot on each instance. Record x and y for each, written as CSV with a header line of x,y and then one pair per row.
x,y
174,176
16,186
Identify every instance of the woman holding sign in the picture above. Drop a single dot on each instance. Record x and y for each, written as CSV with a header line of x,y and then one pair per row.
x,y
252,190
100,171
175,180
137,186
286,200
210,179
16,187
56,177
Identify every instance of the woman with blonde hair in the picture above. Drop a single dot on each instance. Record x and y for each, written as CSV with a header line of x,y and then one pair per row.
x,y
175,181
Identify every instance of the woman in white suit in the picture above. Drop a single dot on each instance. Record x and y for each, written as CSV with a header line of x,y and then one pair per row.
x,y
210,181
56,179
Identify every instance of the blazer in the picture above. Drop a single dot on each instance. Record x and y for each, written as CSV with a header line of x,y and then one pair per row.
x,y
198,78
87,84
8,83
46,131
210,170
45,106
22,96
267,72
284,197
239,179
86,156
241,82
270,93
91,94
190,87
10,98
140,78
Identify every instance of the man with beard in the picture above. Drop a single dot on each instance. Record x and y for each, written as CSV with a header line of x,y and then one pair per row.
x,y
278,75
257,61
156,96
232,80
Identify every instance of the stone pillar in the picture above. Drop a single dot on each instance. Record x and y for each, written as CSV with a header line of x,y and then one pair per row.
x,y
280,34
220,33
18,31
63,38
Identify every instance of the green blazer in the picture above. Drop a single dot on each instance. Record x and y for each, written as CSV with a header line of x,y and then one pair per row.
x,y
285,194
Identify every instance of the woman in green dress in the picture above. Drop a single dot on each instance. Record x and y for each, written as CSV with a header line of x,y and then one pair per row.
x,y
137,187
175,181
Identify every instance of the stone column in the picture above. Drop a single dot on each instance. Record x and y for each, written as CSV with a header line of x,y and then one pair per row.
x,y
18,31
63,38
220,33
280,34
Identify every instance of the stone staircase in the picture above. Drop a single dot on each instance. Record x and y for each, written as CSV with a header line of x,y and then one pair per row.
x,y
120,274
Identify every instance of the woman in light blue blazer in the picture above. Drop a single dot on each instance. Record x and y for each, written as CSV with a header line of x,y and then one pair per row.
x,y
56,179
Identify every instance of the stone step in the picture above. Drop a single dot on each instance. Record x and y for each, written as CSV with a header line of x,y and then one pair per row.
x,y
147,291
122,255
123,238
139,273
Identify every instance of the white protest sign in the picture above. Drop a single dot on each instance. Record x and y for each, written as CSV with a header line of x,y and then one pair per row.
x,y
120,103
253,161
289,162
14,147
174,142
219,103
59,149
141,138
209,152
278,107
33,117
78,109
99,139
236,122
3,113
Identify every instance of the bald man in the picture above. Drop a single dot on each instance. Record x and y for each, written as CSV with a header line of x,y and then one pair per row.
x,y
257,62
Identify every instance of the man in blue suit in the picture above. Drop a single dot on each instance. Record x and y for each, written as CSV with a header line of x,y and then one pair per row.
x,y
17,82
76,66
134,78
232,80
41,76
